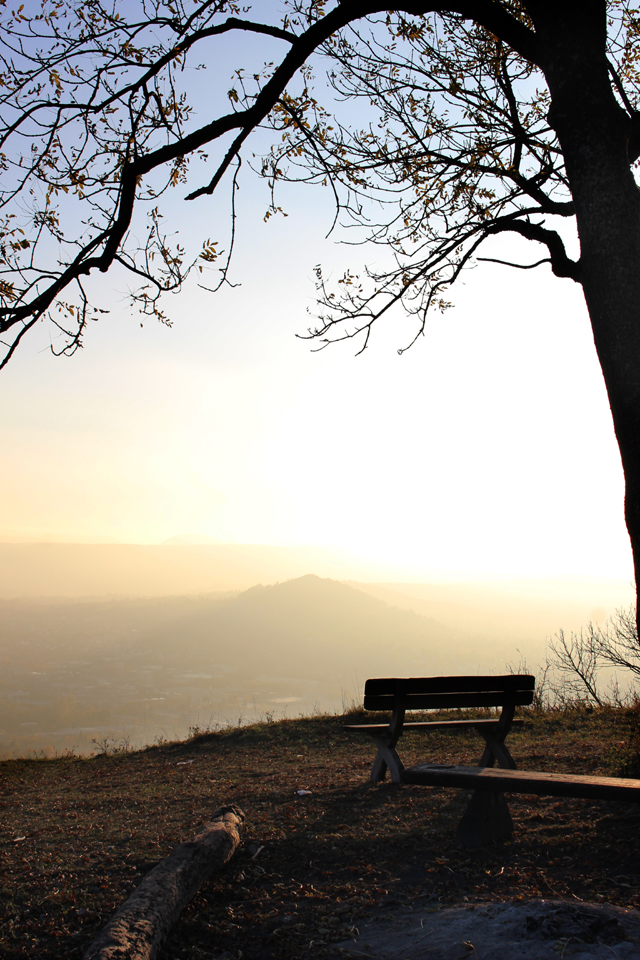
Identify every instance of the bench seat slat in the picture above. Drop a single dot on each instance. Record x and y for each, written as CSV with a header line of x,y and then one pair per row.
x,y
449,701
471,684
524,781
430,725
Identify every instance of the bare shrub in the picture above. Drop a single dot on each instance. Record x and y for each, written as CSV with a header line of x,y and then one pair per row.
x,y
544,693
576,659
618,643
111,747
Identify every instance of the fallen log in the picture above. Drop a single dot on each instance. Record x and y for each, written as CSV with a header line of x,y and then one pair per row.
x,y
139,927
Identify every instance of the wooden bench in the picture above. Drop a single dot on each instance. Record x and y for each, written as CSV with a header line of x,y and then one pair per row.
x,y
487,816
442,693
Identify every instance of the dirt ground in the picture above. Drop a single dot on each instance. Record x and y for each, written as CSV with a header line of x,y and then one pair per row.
x,y
324,851
533,930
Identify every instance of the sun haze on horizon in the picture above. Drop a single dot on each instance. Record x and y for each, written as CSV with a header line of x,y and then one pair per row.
x,y
480,451
487,450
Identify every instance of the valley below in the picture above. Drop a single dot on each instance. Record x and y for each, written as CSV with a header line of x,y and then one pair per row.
x,y
101,675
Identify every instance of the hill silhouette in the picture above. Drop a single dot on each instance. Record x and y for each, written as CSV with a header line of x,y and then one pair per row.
x,y
76,672
310,627
173,568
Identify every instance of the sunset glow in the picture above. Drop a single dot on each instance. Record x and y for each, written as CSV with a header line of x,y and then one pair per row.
x,y
486,449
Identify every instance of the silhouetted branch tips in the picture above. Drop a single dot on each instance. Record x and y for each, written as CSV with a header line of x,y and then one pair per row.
x,y
127,131
452,145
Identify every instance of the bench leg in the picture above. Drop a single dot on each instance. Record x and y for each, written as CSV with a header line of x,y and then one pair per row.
x,y
379,768
496,750
486,818
386,758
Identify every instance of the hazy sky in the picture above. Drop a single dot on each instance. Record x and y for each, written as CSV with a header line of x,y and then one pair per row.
x,y
486,449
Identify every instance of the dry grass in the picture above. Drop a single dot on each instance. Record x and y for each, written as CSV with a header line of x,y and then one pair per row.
x,y
78,835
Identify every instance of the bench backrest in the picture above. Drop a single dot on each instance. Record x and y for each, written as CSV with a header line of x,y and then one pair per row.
x,y
440,693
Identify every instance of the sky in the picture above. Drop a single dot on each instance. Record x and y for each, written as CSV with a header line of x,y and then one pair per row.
x,y
486,450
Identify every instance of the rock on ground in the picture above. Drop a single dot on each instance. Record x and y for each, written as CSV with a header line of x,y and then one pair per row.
x,y
537,930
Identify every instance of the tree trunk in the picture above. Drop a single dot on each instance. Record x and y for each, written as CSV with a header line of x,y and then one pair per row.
x,y
138,929
593,130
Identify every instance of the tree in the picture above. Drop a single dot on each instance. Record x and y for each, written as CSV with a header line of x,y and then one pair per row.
x,y
482,117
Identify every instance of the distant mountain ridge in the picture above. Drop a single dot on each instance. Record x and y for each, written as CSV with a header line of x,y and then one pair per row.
x,y
134,570
147,667
310,626
74,670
